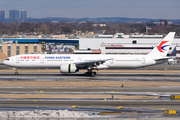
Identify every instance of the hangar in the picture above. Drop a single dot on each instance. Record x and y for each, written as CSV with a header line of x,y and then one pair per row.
x,y
126,45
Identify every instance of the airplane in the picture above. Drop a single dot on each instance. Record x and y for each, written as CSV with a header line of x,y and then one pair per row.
x,y
72,63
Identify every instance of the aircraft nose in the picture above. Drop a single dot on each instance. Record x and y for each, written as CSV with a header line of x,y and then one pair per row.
x,y
4,62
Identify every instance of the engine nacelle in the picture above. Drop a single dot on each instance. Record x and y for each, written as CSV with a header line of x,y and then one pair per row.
x,y
68,68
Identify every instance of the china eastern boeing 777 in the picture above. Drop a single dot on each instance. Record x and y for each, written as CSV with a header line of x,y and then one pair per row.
x,y
72,63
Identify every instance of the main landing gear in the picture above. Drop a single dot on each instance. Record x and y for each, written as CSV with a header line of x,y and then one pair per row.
x,y
90,72
16,73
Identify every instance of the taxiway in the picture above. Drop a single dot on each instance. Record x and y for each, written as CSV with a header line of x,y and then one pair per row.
x,y
132,91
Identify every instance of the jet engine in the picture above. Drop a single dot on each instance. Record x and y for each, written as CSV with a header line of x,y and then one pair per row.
x,y
68,68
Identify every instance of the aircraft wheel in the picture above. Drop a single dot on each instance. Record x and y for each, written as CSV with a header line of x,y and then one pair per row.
x,y
16,73
88,74
85,73
91,73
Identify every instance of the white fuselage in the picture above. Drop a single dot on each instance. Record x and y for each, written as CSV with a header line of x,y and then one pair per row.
x,y
71,63
55,60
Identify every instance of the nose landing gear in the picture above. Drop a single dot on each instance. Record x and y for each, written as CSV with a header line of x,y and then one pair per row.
x,y
16,73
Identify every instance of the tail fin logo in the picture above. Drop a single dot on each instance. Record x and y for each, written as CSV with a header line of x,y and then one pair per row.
x,y
161,48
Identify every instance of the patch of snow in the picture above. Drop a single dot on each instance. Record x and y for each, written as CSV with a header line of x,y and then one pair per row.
x,y
44,114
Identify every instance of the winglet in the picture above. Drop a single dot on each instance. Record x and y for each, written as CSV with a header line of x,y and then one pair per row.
x,y
162,48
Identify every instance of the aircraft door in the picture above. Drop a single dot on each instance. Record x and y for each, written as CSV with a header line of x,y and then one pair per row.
x,y
143,60
79,59
17,60
42,59
112,60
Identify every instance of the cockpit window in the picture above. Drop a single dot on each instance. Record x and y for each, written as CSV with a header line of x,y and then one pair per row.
x,y
7,59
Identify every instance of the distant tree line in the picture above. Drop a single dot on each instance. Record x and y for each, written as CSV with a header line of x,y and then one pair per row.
x,y
72,27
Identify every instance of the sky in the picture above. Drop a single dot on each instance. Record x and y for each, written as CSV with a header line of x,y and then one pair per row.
x,y
155,9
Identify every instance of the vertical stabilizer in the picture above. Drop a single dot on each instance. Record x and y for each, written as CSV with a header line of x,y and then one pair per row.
x,y
162,48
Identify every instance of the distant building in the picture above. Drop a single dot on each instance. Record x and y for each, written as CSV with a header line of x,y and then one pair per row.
x,y
14,15
104,36
23,15
160,22
2,15
101,25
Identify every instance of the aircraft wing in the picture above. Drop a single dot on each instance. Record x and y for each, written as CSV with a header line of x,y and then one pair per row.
x,y
94,63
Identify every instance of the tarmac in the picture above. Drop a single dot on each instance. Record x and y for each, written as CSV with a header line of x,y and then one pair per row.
x,y
119,94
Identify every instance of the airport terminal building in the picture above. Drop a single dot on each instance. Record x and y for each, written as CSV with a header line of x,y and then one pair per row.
x,y
126,45
15,46
88,45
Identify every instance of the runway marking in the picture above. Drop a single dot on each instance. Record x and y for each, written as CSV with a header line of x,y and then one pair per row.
x,y
144,101
112,91
170,112
41,91
35,100
119,107
160,109
148,92
175,96
73,106
103,101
